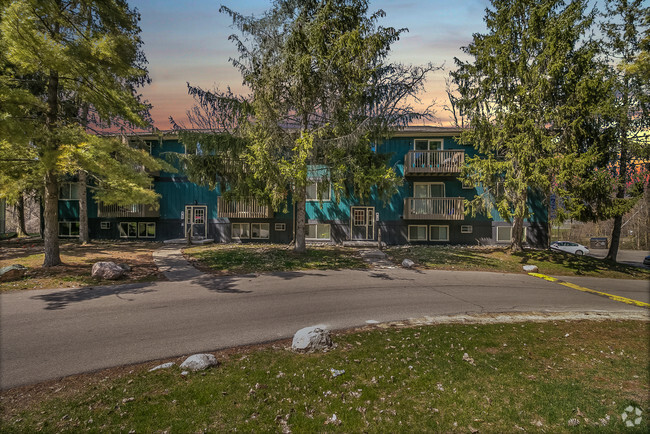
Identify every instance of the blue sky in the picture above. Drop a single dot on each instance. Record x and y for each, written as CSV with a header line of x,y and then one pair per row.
x,y
186,40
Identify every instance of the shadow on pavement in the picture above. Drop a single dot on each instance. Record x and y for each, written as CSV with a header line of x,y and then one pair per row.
x,y
61,299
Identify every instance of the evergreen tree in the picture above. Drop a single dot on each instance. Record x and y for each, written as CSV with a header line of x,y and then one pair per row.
x,y
321,92
627,39
85,52
528,92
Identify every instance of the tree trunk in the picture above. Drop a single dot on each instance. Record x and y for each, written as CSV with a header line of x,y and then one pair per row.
x,y
620,194
517,234
84,236
301,245
51,219
21,230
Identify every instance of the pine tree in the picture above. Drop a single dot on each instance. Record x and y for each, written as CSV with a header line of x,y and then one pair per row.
x,y
529,94
85,52
321,91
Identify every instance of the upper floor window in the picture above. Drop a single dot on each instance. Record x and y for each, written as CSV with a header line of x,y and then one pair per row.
x,y
427,145
428,189
316,187
68,191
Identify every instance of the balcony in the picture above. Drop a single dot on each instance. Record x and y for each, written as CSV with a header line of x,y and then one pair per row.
x,y
434,162
247,208
434,208
117,211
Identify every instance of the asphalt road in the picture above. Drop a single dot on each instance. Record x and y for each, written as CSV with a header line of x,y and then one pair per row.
x,y
630,257
46,334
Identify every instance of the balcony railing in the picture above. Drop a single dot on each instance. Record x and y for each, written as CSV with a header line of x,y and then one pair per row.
x,y
434,208
247,208
116,211
430,162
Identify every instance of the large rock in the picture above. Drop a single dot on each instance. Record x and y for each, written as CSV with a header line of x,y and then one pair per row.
x,y
315,338
12,272
531,268
107,271
407,263
198,362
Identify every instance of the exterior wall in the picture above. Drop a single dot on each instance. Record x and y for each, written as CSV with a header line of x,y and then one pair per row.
x,y
177,192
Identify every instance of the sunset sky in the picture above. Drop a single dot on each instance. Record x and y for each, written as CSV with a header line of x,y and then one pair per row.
x,y
187,41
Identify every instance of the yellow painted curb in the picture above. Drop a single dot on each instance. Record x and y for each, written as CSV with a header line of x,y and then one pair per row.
x,y
593,291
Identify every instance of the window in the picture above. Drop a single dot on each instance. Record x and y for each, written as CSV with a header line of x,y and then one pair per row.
x,y
105,225
128,229
68,191
417,233
280,227
438,233
317,231
504,234
466,229
240,230
68,229
427,145
428,189
313,190
146,230
260,231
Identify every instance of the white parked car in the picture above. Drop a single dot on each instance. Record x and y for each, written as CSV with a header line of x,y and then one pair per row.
x,y
569,247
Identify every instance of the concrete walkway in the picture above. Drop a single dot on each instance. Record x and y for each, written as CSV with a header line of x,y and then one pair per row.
x,y
174,266
376,258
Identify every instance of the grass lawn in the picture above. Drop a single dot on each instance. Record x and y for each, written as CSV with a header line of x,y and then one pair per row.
x,y
541,377
499,259
259,258
77,263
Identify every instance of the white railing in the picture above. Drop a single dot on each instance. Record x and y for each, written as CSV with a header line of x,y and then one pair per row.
x,y
434,208
136,210
425,162
246,208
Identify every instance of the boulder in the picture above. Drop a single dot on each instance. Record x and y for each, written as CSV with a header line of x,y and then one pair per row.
x,y
12,272
107,271
407,263
315,338
198,362
531,268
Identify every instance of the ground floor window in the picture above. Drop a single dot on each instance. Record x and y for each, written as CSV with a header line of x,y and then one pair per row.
x,y
146,230
260,231
240,230
128,229
417,233
504,234
438,233
466,229
68,229
317,231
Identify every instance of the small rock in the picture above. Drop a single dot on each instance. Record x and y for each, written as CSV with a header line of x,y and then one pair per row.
x,y
468,359
12,272
573,422
184,373
198,362
337,372
315,338
163,366
531,268
125,267
107,271
407,263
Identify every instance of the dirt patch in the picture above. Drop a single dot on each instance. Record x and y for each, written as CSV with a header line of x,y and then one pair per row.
x,y
77,260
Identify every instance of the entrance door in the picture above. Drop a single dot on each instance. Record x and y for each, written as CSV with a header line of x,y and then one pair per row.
x,y
196,221
362,223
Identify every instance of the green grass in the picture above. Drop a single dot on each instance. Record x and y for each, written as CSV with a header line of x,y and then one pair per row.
x,y
258,258
499,259
534,376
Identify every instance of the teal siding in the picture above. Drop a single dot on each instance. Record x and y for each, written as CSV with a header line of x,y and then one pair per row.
x,y
179,192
